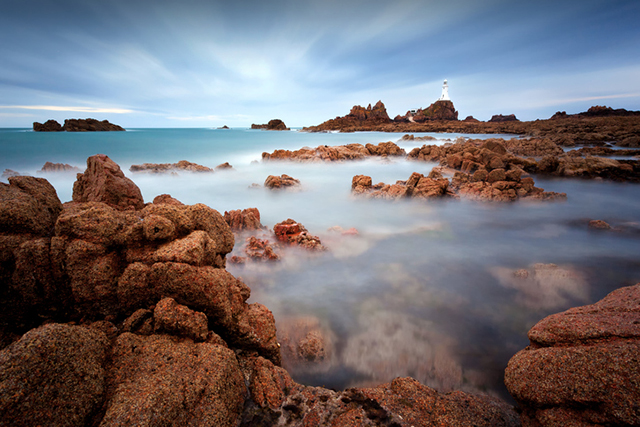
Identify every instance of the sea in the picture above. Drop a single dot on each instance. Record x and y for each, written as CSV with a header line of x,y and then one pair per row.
x,y
443,291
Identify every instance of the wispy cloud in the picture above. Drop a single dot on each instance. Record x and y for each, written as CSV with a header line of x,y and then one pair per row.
x,y
68,108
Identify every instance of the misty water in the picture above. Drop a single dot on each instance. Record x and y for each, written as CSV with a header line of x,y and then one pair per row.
x,y
441,291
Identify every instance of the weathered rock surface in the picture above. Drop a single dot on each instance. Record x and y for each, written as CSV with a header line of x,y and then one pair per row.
x,y
357,118
181,166
103,181
581,365
500,118
439,110
159,380
54,376
28,205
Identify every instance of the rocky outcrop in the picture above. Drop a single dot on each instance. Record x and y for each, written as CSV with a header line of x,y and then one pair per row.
x,y
77,125
580,366
439,110
58,167
359,118
275,182
104,182
433,186
275,124
48,126
336,153
181,166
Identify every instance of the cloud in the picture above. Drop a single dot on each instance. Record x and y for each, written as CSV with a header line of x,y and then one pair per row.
x,y
65,108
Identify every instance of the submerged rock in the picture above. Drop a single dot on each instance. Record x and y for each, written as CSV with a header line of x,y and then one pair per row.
x,y
181,166
283,181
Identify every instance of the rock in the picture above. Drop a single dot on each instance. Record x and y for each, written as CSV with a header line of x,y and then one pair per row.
x,y
159,380
282,181
579,364
275,124
385,149
359,118
9,173
246,219
294,233
103,181
599,224
166,199
361,183
180,320
223,166
545,286
439,110
28,205
307,345
181,166
89,125
500,118
54,376
223,127
48,126
58,167
196,249
260,249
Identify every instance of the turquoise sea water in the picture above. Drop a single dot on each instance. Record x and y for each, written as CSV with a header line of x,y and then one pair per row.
x,y
426,289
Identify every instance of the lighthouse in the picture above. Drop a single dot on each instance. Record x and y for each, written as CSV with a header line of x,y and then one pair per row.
x,y
445,92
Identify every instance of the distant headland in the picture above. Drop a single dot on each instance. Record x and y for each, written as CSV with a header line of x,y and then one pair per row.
x,y
76,125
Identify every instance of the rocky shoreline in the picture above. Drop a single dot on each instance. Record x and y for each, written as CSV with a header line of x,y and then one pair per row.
x,y
116,311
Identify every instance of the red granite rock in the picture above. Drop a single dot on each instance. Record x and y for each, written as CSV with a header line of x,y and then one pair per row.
x,y
162,380
245,219
176,319
53,376
103,181
28,205
581,365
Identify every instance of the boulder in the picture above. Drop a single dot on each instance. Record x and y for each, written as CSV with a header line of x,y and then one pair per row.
x,y
580,366
180,320
53,376
28,205
103,181
161,380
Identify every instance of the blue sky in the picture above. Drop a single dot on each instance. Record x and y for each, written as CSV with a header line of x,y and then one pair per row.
x,y
197,63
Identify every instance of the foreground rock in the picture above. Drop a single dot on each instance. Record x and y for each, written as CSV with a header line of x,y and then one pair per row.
x,y
294,233
580,367
77,125
181,166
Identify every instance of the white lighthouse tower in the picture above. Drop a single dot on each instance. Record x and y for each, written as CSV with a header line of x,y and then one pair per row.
x,y
445,92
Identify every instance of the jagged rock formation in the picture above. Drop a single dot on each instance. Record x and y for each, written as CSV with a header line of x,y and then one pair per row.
x,y
357,119
499,118
580,367
58,167
77,125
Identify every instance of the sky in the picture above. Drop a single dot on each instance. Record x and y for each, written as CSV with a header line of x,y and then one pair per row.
x,y
197,63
